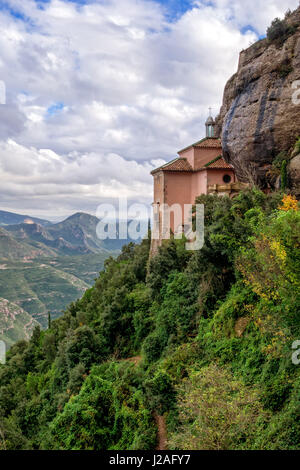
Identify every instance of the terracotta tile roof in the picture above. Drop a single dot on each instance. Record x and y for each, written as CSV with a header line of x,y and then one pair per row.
x,y
179,164
207,142
219,163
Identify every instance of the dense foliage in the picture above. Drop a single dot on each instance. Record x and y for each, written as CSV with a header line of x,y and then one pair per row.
x,y
280,30
211,333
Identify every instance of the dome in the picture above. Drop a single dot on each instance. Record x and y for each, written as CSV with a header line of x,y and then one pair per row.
x,y
210,121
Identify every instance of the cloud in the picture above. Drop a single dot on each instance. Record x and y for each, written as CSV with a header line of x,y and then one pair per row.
x,y
108,87
39,177
255,13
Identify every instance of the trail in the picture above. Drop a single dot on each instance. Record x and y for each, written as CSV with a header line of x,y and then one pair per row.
x,y
135,360
159,420
162,432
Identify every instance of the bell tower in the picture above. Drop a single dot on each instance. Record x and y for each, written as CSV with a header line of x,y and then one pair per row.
x,y
210,125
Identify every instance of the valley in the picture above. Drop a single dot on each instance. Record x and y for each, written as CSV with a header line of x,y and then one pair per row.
x,y
43,268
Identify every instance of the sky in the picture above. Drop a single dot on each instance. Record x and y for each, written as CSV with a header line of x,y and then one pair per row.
x,y
99,93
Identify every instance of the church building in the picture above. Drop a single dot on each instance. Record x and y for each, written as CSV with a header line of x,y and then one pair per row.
x,y
199,169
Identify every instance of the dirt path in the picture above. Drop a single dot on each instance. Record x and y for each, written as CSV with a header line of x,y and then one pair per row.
x,y
159,420
135,360
162,432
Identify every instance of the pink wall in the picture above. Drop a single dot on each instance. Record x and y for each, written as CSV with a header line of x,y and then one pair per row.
x,y
158,187
203,156
199,184
216,176
177,187
183,187
199,156
189,154
177,191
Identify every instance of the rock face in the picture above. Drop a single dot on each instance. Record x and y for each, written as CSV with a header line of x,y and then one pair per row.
x,y
294,174
258,118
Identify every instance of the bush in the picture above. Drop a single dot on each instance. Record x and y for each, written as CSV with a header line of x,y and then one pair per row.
x,y
277,29
216,412
283,175
297,146
160,392
154,345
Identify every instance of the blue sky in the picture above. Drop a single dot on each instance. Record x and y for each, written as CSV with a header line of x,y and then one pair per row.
x,y
176,8
99,96
172,9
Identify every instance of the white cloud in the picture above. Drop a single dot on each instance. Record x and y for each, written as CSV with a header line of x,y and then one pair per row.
x,y
258,13
44,175
109,87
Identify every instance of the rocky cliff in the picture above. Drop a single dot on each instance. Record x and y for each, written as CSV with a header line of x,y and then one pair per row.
x,y
259,118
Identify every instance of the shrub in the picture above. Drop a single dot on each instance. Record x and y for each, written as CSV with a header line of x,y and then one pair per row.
x,y
283,175
160,392
277,162
297,146
216,411
154,345
277,29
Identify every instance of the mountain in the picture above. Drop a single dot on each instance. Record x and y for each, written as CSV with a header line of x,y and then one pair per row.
x,y
38,237
259,119
39,287
15,323
79,231
185,350
75,235
10,218
12,247
45,267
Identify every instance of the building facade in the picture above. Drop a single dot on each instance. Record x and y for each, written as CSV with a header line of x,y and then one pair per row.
x,y
199,169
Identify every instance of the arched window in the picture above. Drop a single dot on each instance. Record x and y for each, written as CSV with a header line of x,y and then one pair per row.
x,y
210,131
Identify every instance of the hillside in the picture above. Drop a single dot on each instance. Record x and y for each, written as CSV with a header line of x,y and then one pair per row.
x,y
12,249
10,218
47,285
199,343
79,231
44,268
39,288
15,323
74,236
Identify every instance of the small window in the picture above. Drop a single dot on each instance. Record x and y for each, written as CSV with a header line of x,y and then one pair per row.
x,y
227,179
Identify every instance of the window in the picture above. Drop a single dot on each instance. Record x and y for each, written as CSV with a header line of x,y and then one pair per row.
x,y
210,131
227,179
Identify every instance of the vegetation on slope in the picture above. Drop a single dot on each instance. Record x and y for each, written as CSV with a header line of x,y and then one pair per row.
x,y
15,323
43,269
47,285
215,330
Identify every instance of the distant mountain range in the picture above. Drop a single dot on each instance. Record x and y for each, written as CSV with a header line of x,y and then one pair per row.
x,y
46,266
10,218
75,235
